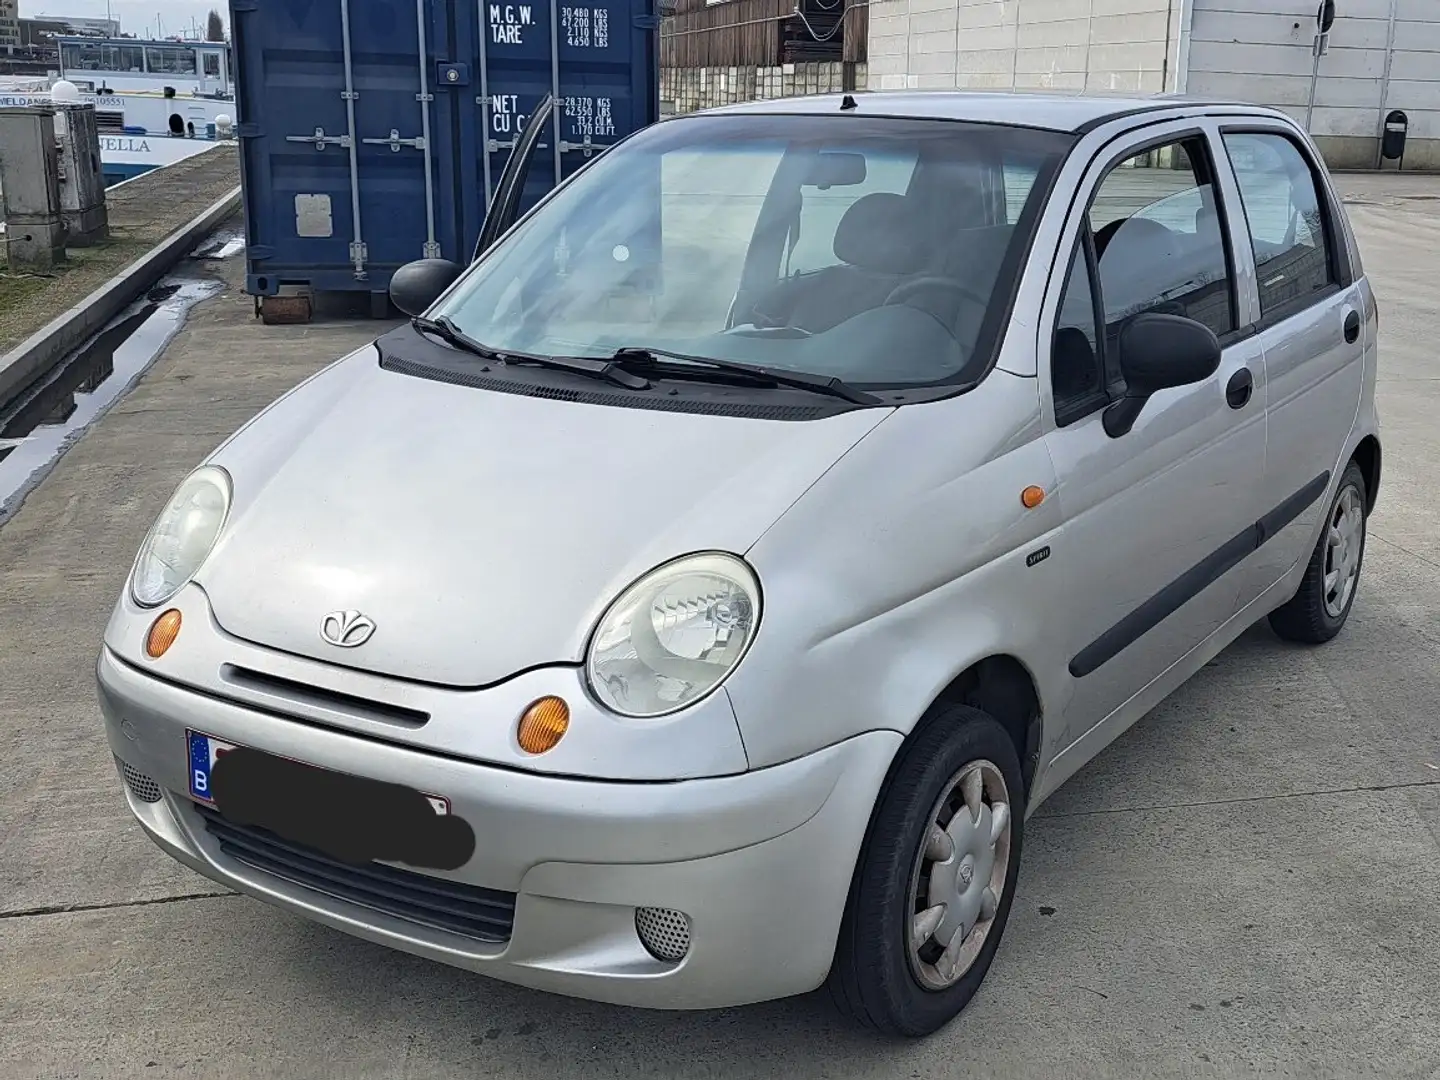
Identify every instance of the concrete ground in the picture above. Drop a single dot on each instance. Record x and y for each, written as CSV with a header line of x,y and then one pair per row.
x,y
1246,883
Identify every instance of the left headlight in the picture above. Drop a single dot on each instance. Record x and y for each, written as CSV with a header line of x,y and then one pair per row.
x,y
673,636
181,538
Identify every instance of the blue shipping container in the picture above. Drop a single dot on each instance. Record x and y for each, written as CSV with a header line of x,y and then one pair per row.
x,y
373,132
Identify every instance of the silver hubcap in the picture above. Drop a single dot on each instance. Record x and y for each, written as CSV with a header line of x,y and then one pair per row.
x,y
959,875
1344,541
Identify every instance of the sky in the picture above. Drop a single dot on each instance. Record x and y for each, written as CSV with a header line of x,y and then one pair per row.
x,y
136,16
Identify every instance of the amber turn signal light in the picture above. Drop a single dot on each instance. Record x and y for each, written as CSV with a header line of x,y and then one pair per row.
x,y
1032,497
543,725
163,632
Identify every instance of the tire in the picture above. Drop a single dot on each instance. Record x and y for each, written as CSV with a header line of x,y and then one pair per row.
x,y
1312,616
875,979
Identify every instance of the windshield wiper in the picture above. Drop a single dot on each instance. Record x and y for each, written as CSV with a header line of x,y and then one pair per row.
x,y
649,356
443,328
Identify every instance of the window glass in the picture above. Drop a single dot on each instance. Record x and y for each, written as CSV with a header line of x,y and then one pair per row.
x,y
678,239
1287,226
212,65
1159,241
168,61
1076,361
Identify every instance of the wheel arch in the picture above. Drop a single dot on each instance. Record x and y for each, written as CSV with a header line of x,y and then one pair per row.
x,y
1002,686
1368,456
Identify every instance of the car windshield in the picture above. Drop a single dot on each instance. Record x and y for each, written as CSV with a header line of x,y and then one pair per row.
x,y
860,248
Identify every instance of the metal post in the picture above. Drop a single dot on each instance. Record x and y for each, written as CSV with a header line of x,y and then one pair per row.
x,y
357,245
431,249
555,78
1314,81
484,101
1385,84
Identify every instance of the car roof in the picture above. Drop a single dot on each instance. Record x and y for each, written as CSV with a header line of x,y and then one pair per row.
x,y
1078,112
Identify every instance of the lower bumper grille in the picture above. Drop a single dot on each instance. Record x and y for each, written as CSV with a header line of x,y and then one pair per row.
x,y
484,914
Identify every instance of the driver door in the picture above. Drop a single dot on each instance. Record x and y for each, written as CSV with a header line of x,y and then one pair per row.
x,y
1155,518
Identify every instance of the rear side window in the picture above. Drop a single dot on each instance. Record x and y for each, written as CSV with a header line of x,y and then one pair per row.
x,y
1288,230
1159,239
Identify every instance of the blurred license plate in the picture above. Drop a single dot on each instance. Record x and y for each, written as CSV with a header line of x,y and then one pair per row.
x,y
205,750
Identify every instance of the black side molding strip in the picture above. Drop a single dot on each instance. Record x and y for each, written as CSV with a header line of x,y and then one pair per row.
x,y
1190,584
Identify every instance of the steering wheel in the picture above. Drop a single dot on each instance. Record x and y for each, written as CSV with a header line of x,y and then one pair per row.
x,y
907,289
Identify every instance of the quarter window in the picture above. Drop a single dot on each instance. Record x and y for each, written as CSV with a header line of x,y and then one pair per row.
x,y
1287,223
1077,376
1159,239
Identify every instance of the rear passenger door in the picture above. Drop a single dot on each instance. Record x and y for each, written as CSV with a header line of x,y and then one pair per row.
x,y
1311,327
1147,512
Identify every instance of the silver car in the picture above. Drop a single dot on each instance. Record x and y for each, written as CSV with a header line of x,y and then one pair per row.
x,y
690,604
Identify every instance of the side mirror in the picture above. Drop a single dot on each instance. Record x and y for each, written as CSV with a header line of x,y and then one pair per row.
x,y
1158,352
417,285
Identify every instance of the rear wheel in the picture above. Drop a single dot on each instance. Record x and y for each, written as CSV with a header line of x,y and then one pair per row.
x,y
936,878
1321,605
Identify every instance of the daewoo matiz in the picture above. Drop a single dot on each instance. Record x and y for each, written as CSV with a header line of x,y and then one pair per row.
x,y
687,607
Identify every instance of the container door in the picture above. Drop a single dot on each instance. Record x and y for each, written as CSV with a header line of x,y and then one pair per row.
x,y
334,109
596,59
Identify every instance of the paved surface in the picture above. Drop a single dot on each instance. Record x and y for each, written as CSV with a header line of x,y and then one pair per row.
x,y
142,213
1246,883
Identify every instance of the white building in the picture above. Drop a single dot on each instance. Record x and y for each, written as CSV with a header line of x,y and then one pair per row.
x,y
1382,55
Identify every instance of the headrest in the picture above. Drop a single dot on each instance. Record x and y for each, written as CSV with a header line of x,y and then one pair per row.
x,y
880,232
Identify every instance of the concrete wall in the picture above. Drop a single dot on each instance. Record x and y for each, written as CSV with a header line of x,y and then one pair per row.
x,y
1098,45
685,90
1260,50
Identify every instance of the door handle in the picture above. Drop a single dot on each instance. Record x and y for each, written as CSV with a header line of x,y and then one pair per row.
x,y
1352,327
1239,389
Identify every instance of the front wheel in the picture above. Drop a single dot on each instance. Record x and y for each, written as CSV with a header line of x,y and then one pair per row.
x,y
936,878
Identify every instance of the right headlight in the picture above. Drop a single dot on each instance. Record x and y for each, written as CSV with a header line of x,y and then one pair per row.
x,y
671,638
180,540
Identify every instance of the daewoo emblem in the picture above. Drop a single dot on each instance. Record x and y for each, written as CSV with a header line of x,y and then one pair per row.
x,y
347,629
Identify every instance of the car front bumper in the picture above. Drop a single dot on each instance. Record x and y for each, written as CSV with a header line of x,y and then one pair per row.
x,y
759,863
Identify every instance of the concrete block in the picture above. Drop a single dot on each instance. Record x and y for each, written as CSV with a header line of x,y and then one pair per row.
x,y
34,245
1054,34
980,39
29,167
82,179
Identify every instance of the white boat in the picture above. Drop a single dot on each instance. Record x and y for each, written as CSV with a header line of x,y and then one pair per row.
x,y
156,102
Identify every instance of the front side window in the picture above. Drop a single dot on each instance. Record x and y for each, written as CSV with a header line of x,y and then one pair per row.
x,y
1287,223
855,247
1159,238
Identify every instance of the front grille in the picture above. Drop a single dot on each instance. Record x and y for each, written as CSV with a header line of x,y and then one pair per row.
x,y
140,785
484,914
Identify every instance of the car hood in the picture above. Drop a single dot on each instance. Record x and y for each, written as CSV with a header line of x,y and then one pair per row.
x,y
481,532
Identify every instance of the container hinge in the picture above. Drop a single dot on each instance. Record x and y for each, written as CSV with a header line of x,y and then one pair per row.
x,y
424,97
647,22
349,95
359,253
248,131
320,140
259,252
492,145
395,142
431,249
585,146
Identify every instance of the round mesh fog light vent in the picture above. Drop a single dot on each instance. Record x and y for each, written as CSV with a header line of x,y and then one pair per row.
x,y
140,785
664,932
